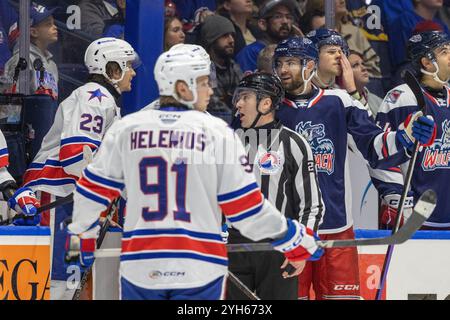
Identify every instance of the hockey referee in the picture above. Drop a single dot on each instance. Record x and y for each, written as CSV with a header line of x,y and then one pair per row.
x,y
284,167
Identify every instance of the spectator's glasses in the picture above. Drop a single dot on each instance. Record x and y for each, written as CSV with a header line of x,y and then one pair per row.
x,y
280,16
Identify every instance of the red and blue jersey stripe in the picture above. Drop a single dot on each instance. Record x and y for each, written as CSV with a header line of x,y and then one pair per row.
x,y
4,157
97,188
241,204
49,173
71,150
178,243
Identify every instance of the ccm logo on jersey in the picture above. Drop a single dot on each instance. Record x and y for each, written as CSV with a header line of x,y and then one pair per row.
x,y
158,274
346,287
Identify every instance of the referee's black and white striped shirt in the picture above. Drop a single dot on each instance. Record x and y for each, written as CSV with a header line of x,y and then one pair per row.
x,y
284,167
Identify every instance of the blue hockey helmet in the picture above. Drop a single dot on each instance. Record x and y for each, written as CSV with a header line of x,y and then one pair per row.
x,y
296,47
323,36
423,44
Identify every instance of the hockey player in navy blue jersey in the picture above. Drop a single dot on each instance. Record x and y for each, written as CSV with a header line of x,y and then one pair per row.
x,y
332,121
429,53
182,169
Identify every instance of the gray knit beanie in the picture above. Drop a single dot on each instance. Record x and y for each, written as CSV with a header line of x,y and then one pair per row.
x,y
214,27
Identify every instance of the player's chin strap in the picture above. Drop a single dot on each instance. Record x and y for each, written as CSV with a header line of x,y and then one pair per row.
x,y
306,81
189,104
435,74
258,116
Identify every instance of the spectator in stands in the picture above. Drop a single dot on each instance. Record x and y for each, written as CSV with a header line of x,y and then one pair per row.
x,y
173,32
312,20
264,63
400,29
239,12
361,76
8,32
217,35
276,20
43,33
103,18
193,12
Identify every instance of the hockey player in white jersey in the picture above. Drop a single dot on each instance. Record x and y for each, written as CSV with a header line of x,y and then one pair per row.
x,y
81,120
22,200
182,170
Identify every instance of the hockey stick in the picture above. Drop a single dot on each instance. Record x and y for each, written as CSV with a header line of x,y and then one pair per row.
x,y
422,210
414,85
238,283
101,236
87,157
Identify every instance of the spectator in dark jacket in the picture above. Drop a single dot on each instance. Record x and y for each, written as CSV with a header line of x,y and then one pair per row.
x,y
276,20
217,35
239,12
101,18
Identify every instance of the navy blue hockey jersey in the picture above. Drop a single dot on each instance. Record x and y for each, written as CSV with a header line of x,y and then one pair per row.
x,y
333,122
433,163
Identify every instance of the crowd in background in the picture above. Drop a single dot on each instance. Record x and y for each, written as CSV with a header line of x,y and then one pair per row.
x,y
234,33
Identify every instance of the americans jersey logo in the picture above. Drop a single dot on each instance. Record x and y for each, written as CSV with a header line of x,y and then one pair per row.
x,y
270,162
437,156
322,147
393,96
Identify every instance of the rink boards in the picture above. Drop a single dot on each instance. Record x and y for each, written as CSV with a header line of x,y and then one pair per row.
x,y
418,270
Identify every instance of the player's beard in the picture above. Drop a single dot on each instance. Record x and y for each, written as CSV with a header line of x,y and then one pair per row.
x,y
294,83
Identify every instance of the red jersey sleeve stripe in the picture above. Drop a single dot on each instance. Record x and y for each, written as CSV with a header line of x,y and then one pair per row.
x,y
242,204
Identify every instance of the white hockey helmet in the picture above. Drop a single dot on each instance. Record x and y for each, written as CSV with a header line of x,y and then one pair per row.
x,y
104,50
183,62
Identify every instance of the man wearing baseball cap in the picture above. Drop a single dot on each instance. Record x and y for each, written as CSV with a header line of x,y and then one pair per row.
x,y
276,21
43,33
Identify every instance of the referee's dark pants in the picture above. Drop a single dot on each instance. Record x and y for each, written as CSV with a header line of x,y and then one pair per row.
x,y
261,273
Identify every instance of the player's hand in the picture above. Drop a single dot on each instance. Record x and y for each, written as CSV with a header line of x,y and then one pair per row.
x,y
417,126
348,79
80,248
24,202
389,208
293,268
299,243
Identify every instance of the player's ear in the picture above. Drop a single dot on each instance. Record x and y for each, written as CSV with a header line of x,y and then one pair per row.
x,y
310,65
265,105
182,90
427,64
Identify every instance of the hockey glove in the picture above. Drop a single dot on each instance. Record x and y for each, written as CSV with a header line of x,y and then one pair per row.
x,y
25,203
80,248
299,243
389,208
417,126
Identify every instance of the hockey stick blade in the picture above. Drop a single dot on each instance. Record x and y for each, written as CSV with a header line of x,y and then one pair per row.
x,y
422,211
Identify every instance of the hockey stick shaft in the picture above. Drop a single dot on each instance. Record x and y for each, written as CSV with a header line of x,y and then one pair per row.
x,y
238,283
411,81
101,237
